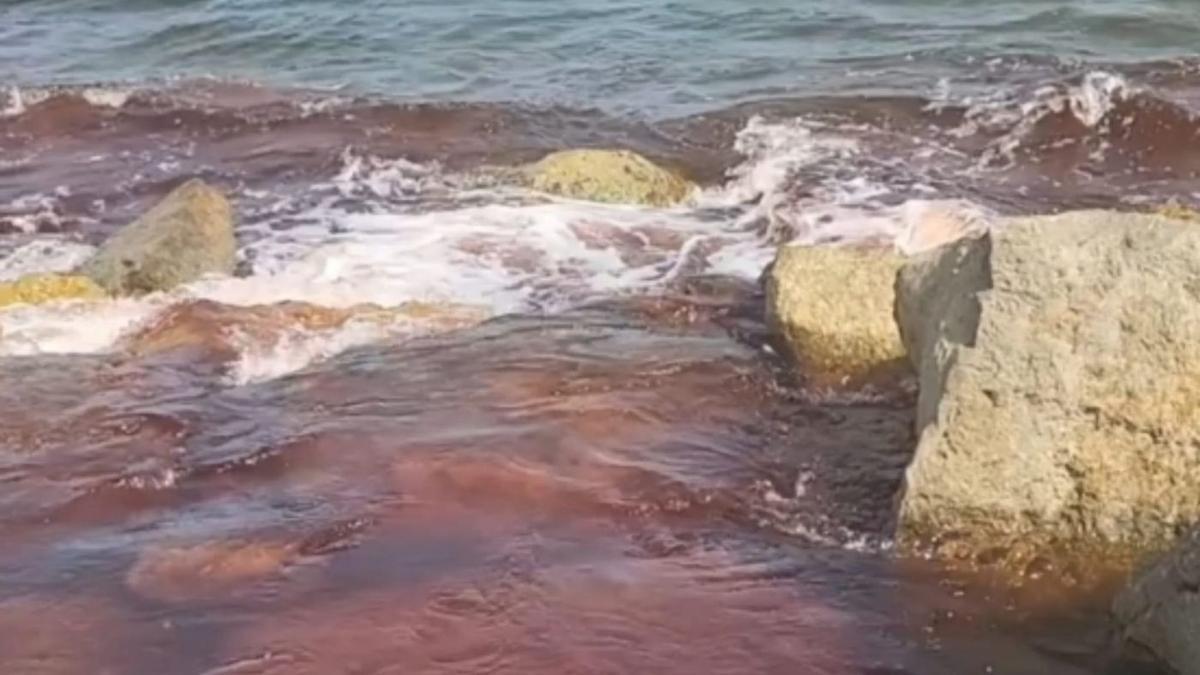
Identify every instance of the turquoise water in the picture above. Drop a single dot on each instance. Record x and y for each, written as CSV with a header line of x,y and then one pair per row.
x,y
658,57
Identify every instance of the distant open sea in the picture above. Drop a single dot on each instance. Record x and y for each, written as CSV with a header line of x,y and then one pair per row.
x,y
653,57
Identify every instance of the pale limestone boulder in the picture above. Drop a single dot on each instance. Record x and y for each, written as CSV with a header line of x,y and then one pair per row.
x,y
1059,368
831,307
189,234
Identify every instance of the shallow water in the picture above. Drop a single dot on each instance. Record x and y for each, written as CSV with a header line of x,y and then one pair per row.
x,y
617,488
437,423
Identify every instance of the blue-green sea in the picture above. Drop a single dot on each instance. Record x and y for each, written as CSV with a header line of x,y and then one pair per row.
x,y
658,57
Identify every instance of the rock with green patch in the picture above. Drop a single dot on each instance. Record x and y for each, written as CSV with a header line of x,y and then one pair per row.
x,y
612,176
189,234
1059,367
831,308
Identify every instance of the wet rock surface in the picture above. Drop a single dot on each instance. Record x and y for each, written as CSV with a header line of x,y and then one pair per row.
x,y
831,307
1160,610
1060,387
615,176
185,236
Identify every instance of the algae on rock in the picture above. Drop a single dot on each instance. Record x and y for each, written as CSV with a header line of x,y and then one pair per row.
x,y
613,176
832,308
187,235
36,289
1059,372
1178,211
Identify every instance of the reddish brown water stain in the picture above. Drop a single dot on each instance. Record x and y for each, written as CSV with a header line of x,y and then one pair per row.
x,y
628,487
619,489
108,164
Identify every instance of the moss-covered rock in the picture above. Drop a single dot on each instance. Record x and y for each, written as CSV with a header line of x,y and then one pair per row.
x,y
41,288
832,309
187,235
613,176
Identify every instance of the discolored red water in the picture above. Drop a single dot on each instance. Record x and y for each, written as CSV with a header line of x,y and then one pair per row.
x,y
631,484
617,489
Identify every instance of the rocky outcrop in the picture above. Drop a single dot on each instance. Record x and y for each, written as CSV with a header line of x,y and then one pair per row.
x,y
614,176
1159,612
187,235
1059,372
37,289
831,308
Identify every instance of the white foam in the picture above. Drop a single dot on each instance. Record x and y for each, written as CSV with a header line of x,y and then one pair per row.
x,y
776,151
796,170
44,256
391,231
927,224
72,327
31,212
18,99
1013,115
295,350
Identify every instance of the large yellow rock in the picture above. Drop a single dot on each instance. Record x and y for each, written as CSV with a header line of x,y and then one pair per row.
x,y
40,288
613,176
832,308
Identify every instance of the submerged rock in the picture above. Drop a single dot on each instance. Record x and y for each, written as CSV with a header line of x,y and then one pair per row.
x,y
187,235
183,573
1160,611
36,289
614,176
1059,372
832,309
220,330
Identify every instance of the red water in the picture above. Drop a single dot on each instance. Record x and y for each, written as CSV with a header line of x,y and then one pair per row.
x,y
613,490
635,487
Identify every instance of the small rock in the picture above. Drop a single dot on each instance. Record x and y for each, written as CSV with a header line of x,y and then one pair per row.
x,y
613,176
832,308
187,235
182,573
